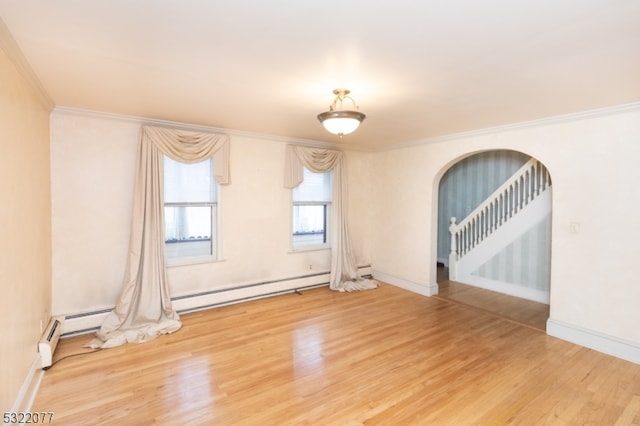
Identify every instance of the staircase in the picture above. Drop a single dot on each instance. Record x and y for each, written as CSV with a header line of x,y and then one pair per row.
x,y
510,211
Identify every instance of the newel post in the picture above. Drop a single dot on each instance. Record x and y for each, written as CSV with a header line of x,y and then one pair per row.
x,y
453,252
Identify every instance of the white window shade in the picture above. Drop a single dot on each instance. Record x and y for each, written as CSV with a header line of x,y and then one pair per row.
x,y
188,184
316,187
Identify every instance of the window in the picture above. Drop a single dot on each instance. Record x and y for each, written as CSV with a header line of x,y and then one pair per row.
x,y
190,205
312,211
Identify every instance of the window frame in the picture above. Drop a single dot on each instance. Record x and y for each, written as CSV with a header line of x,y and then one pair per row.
x,y
328,205
214,238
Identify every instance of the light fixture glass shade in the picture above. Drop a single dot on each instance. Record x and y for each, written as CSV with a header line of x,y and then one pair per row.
x,y
341,122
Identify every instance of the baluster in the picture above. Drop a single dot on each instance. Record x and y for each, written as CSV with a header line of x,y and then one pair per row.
x,y
492,216
473,233
523,191
525,186
485,224
518,194
511,199
496,212
531,184
467,242
505,205
538,180
487,219
467,239
464,241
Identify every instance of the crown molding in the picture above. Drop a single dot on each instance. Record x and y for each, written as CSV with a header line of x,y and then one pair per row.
x,y
11,48
547,121
190,127
565,118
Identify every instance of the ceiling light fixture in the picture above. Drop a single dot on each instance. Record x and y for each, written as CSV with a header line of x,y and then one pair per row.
x,y
341,121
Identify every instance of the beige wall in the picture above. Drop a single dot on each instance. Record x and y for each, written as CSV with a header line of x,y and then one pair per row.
x,y
93,165
593,165
25,217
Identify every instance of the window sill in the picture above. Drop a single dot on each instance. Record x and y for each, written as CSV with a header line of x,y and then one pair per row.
x,y
310,248
192,261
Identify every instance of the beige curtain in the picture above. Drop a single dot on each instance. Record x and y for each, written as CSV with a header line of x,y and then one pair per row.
x,y
344,271
144,309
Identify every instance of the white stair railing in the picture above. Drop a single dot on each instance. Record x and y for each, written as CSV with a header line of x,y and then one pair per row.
x,y
526,184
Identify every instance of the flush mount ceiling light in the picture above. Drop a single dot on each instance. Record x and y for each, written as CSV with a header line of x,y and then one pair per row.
x,y
341,121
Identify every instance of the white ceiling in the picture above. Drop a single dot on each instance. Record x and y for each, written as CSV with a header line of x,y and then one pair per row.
x,y
418,69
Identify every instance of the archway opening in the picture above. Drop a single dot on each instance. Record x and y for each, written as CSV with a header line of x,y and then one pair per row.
x,y
497,256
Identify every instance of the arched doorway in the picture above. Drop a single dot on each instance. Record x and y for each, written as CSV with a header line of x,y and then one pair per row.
x,y
506,262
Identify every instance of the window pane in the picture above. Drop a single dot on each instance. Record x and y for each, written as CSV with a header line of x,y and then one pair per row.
x,y
188,231
185,183
309,225
315,187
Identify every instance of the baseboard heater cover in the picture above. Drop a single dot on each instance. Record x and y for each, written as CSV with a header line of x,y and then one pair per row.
x,y
49,341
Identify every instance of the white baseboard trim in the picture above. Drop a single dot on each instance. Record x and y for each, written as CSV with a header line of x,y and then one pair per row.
x,y
620,348
423,289
91,321
29,389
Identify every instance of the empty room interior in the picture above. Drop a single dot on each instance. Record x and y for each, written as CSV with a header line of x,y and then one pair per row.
x,y
236,212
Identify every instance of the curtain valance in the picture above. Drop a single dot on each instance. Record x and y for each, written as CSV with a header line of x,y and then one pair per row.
x,y
315,159
192,147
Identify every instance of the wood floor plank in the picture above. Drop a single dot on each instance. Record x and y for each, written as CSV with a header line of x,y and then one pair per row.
x,y
379,357
525,312
631,414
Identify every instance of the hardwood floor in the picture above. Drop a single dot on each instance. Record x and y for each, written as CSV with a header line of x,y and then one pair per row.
x,y
526,312
384,356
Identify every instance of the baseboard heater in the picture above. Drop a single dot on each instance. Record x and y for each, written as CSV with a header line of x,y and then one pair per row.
x,y
89,322
49,341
